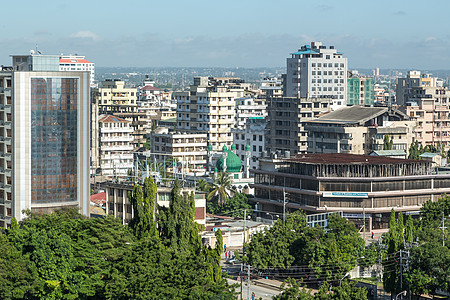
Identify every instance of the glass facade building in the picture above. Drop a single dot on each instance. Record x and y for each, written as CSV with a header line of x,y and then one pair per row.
x,y
54,102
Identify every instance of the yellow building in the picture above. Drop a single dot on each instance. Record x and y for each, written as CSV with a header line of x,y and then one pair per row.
x,y
114,93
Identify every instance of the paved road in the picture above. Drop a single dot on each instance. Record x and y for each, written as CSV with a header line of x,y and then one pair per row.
x,y
263,292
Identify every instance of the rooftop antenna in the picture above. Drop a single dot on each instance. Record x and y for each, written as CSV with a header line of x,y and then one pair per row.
x,y
37,51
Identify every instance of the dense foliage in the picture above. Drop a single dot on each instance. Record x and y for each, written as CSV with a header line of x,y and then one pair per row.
x,y
427,269
67,256
322,255
233,207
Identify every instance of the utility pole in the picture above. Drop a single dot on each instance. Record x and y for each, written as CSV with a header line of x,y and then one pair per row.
x,y
248,283
242,268
443,229
364,225
243,253
284,205
401,272
404,255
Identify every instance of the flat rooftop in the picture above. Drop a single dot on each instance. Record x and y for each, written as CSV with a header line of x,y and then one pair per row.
x,y
351,115
341,158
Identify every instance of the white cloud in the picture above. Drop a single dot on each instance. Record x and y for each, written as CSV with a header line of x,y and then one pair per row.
x,y
85,34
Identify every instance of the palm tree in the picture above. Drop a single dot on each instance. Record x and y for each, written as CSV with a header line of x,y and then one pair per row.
x,y
221,187
204,186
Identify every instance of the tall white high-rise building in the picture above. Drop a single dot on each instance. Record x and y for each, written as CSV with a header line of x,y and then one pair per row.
x,y
44,138
317,71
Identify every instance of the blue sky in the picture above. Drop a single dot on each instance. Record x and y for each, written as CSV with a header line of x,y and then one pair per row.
x,y
246,33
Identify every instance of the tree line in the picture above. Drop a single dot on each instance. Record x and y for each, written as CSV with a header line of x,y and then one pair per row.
x,y
160,255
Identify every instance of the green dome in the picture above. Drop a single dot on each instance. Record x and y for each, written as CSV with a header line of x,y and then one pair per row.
x,y
233,147
247,148
224,148
234,163
210,147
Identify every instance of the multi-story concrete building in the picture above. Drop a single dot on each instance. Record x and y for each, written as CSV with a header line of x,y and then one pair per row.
x,y
359,130
44,140
406,87
116,150
430,106
119,205
209,107
188,149
249,109
77,63
363,187
274,85
360,91
251,137
287,117
114,98
316,71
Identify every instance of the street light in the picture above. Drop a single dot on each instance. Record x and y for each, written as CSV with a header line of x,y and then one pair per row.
x,y
401,293
340,281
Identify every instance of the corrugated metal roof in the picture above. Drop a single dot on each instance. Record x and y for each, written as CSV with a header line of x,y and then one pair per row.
x,y
428,154
390,152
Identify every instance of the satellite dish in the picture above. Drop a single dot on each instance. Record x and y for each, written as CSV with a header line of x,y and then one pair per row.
x,y
31,52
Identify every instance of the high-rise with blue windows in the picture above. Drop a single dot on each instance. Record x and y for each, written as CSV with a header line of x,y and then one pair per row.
x,y
44,138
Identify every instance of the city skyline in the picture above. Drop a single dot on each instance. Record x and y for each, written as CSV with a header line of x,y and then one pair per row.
x,y
235,34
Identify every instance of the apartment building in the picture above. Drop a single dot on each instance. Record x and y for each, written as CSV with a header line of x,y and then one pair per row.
x,y
274,85
114,98
287,117
360,91
251,138
359,130
209,107
249,109
44,149
188,149
116,149
430,107
315,71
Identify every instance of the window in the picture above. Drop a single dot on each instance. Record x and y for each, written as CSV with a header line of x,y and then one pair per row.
x,y
260,138
254,148
254,137
327,57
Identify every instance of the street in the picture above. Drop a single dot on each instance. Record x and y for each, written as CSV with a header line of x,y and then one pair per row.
x,y
260,291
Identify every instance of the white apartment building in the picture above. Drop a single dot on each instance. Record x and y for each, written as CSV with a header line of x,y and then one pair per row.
x,y
251,135
116,156
249,109
209,107
316,71
77,63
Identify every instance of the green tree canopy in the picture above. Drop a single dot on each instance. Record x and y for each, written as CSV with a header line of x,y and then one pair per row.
x,y
221,188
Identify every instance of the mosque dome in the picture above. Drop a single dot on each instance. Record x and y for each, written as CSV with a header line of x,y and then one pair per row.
x,y
234,163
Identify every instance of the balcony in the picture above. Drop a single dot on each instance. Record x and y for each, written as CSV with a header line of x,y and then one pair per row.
x,y
116,129
117,148
116,139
